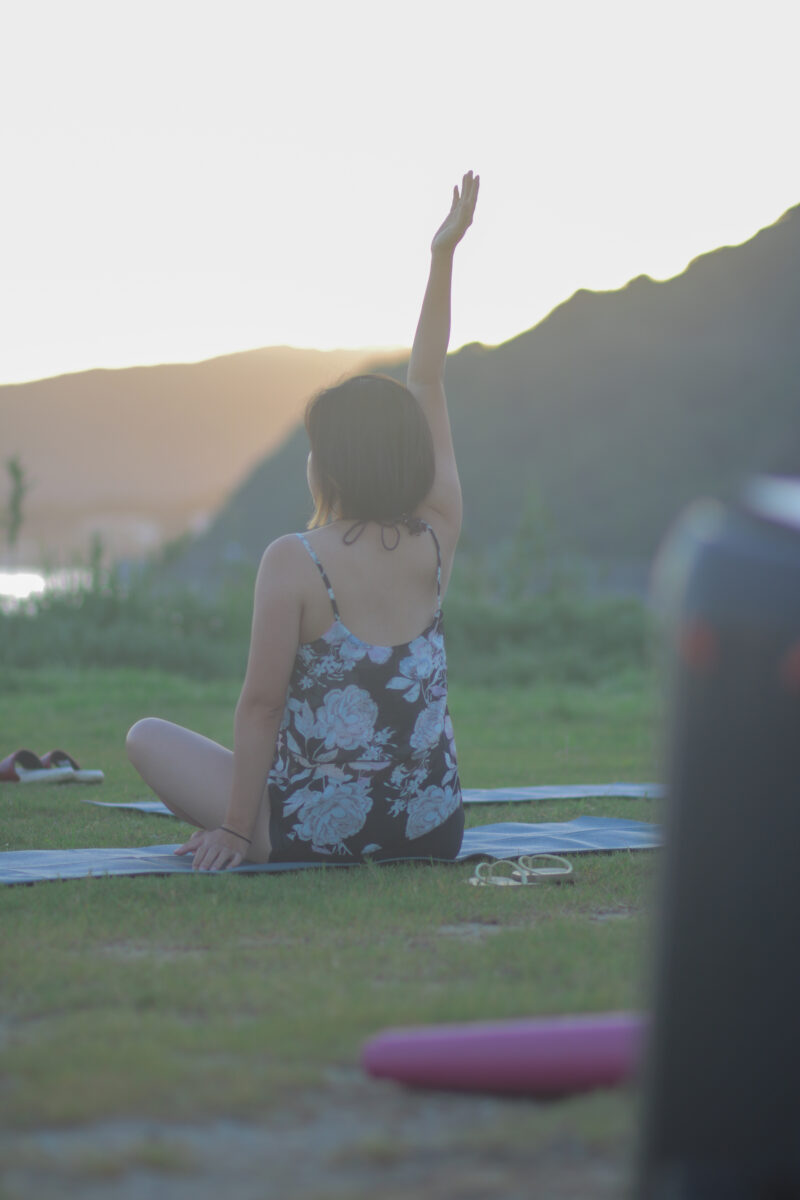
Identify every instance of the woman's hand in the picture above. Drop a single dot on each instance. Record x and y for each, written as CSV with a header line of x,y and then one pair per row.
x,y
459,219
213,850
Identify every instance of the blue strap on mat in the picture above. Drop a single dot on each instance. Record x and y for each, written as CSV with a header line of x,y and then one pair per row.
x,y
507,839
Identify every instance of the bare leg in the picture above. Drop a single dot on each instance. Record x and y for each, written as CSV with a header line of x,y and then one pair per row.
x,y
192,775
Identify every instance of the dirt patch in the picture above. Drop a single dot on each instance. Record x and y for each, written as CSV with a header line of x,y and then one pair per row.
x,y
353,1139
613,914
473,930
130,951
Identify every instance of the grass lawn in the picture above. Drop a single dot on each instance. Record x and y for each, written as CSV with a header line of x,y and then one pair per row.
x,y
191,998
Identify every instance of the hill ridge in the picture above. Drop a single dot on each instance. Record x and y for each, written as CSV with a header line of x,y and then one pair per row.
x,y
142,453
614,411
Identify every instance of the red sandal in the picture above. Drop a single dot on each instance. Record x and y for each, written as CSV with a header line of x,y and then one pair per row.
x,y
59,760
23,766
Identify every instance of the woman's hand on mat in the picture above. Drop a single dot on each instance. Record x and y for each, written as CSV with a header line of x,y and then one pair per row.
x,y
213,850
459,219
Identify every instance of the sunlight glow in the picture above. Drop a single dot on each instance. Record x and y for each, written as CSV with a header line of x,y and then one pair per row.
x,y
18,586
185,180
21,585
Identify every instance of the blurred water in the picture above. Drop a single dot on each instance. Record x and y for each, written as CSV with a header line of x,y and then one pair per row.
x,y
25,583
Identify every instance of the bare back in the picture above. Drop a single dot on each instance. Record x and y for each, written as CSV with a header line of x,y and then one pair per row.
x,y
386,597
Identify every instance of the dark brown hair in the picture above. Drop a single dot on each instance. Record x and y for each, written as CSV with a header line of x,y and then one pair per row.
x,y
372,450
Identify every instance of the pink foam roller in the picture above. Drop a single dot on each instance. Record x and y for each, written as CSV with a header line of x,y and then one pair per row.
x,y
548,1057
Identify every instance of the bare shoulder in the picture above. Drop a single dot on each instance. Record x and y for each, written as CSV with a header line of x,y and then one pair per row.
x,y
282,549
282,563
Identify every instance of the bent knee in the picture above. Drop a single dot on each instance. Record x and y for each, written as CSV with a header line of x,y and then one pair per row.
x,y
142,736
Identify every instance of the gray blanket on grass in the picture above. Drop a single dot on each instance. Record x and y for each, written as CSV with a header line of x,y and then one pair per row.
x,y
510,795
507,839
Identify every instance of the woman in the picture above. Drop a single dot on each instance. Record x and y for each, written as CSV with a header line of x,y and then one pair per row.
x,y
343,709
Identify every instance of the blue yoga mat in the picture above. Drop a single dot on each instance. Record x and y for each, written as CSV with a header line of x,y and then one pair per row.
x,y
569,791
507,839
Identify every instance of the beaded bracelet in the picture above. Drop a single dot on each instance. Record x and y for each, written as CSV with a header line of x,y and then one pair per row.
x,y
235,834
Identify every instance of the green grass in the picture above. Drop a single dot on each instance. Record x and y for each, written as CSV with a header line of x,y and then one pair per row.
x,y
195,996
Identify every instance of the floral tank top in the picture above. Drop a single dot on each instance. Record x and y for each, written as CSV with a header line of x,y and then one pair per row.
x,y
365,761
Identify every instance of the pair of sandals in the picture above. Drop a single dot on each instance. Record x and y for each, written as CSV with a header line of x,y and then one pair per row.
x,y
527,869
23,766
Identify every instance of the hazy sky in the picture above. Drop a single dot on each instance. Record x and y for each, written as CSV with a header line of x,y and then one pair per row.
x,y
184,178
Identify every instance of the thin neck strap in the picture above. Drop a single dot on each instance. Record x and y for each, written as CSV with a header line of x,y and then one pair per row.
x,y
415,526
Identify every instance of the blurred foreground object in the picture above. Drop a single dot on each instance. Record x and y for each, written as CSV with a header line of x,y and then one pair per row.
x,y
545,1056
722,1080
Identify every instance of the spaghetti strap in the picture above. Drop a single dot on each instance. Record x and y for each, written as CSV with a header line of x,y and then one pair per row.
x,y
438,567
321,569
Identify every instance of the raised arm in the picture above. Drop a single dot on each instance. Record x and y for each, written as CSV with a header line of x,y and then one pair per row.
x,y
425,377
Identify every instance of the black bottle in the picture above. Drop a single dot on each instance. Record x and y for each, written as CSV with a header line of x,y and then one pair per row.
x,y
721,1083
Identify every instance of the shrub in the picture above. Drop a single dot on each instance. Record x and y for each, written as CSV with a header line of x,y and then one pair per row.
x,y
103,623
561,633
554,635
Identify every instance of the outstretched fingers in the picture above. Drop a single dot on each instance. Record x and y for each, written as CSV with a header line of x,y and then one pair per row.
x,y
190,846
219,861
210,852
459,218
469,190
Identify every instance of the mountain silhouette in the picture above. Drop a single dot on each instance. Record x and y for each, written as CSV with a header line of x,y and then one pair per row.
x,y
142,454
612,413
